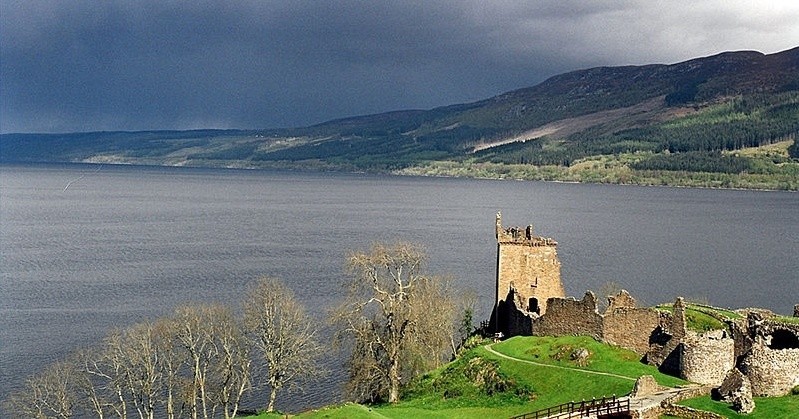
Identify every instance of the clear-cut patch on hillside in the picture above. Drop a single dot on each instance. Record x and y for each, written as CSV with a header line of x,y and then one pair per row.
x,y
650,109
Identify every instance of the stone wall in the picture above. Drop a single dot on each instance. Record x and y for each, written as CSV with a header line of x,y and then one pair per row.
x,y
567,316
529,264
740,335
706,358
772,362
510,318
772,372
626,325
665,340
623,324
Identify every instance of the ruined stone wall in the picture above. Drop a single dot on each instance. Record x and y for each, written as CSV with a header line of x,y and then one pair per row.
x,y
772,372
567,316
740,334
630,328
529,264
626,325
772,362
706,358
666,339
509,318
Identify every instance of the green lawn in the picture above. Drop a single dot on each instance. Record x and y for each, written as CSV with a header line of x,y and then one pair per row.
x,y
786,407
512,387
517,388
603,357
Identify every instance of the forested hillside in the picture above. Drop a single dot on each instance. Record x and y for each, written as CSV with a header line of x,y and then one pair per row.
x,y
729,120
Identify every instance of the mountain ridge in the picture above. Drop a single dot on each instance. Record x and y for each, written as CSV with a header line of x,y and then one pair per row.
x,y
700,108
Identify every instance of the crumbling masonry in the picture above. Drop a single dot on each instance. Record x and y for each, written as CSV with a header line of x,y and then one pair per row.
x,y
528,273
530,300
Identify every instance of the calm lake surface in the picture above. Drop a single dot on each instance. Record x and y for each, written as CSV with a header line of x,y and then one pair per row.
x,y
86,248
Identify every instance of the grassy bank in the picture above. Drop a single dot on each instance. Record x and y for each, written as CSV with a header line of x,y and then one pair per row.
x,y
774,171
481,384
532,373
786,407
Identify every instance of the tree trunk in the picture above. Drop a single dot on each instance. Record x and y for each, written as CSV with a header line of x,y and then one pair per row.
x,y
393,380
272,396
170,408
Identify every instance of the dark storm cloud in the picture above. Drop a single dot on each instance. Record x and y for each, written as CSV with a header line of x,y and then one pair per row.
x,y
79,65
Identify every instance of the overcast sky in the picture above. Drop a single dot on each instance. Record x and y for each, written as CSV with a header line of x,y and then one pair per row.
x,y
156,64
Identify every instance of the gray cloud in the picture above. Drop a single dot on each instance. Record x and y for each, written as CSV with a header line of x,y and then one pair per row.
x,y
74,66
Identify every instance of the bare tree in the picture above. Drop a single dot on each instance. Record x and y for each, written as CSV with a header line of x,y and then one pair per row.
x,y
105,369
125,373
230,376
396,319
170,360
283,335
433,308
89,386
49,394
142,370
217,357
195,335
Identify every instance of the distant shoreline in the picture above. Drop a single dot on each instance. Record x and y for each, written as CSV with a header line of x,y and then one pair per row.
x,y
446,170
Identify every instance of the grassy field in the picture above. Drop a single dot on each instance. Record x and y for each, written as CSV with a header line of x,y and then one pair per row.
x,y
540,374
786,407
481,384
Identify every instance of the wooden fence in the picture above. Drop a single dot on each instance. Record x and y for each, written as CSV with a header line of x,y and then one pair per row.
x,y
593,407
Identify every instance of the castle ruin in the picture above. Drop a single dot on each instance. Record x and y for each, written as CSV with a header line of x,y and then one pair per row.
x,y
759,349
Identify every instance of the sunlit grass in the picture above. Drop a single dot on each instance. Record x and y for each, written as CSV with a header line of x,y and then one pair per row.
x,y
786,407
447,393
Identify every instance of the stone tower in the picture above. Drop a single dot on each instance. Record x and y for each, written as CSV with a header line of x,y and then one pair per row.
x,y
529,265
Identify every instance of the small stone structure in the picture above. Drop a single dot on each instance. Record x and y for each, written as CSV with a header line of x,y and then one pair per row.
x,y
646,385
706,358
772,363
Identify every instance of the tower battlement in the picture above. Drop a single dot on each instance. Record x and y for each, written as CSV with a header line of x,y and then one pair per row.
x,y
518,235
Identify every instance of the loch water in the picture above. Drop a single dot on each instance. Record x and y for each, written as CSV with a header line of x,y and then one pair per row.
x,y
87,248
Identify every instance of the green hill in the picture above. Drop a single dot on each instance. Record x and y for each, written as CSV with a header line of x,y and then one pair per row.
x,y
685,123
524,374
